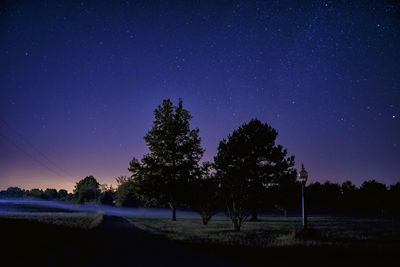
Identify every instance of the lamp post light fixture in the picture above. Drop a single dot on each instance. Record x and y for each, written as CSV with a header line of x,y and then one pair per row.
x,y
303,176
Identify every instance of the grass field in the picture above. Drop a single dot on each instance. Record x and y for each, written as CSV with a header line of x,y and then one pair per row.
x,y
272,232
48,239
82,220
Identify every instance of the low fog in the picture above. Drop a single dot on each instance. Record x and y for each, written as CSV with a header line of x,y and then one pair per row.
x,y
44,207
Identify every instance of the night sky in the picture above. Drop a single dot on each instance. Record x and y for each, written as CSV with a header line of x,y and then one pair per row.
x,y
80,80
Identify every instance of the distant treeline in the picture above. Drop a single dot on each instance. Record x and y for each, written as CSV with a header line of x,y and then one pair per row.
x,y
48,194
370,199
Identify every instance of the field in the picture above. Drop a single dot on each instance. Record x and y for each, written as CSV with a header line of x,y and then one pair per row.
x,y
71,238
83,221
272,232
273,239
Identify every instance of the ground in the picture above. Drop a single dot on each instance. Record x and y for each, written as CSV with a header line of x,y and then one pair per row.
x,y
113,242
360,240
274,231
110,240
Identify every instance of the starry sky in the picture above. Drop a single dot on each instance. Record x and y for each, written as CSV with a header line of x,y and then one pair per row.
x,y
80,80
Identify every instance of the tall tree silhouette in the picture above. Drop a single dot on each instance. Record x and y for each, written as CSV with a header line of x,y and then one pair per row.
x,y
164,175
247,162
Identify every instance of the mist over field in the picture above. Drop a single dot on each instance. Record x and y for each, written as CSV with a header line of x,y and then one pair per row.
x,y
44,207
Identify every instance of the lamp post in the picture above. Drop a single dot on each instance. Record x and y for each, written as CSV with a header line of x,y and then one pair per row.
x,y
303,176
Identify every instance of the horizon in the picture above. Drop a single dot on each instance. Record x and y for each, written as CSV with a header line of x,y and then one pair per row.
x,y
71,190
81,82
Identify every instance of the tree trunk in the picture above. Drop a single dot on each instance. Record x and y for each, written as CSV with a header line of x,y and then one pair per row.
x,y
254,216
173,207
236,226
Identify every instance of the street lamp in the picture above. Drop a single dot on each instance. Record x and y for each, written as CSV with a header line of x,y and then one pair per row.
x,y
303,176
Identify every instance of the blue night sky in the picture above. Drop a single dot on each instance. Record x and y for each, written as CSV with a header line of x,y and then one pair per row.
x,y
80,80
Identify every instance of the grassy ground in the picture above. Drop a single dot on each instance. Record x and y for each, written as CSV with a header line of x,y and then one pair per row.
x,y
341,240
276,232
82,220
114,242
93,239
45,239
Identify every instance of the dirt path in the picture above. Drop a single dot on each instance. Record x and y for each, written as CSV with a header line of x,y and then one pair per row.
x,y
119,243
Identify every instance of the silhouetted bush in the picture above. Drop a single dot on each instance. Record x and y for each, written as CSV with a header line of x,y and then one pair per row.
x,y
126,194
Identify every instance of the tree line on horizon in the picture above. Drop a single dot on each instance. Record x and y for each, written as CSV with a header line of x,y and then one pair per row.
x,y
250,174
371,198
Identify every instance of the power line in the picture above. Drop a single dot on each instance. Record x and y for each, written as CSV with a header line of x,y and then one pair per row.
x,y
57,166
30,155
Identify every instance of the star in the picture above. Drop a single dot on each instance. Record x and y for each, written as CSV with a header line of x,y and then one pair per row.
x,y
304,69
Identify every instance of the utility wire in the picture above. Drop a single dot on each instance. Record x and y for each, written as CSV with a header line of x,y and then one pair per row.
x,y
30,155
55,165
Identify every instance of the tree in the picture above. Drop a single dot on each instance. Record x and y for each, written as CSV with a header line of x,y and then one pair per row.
x,y
50,193
87,189
107,195
349,197
13,192
394,198
324,198
348,187
206,194
246,163
62,194
126,194
235,192
35,193
283,197
165,174
374,196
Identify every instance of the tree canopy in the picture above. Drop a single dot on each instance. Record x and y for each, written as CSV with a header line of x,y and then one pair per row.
x,y
249,160
164,175
87,189
126,194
